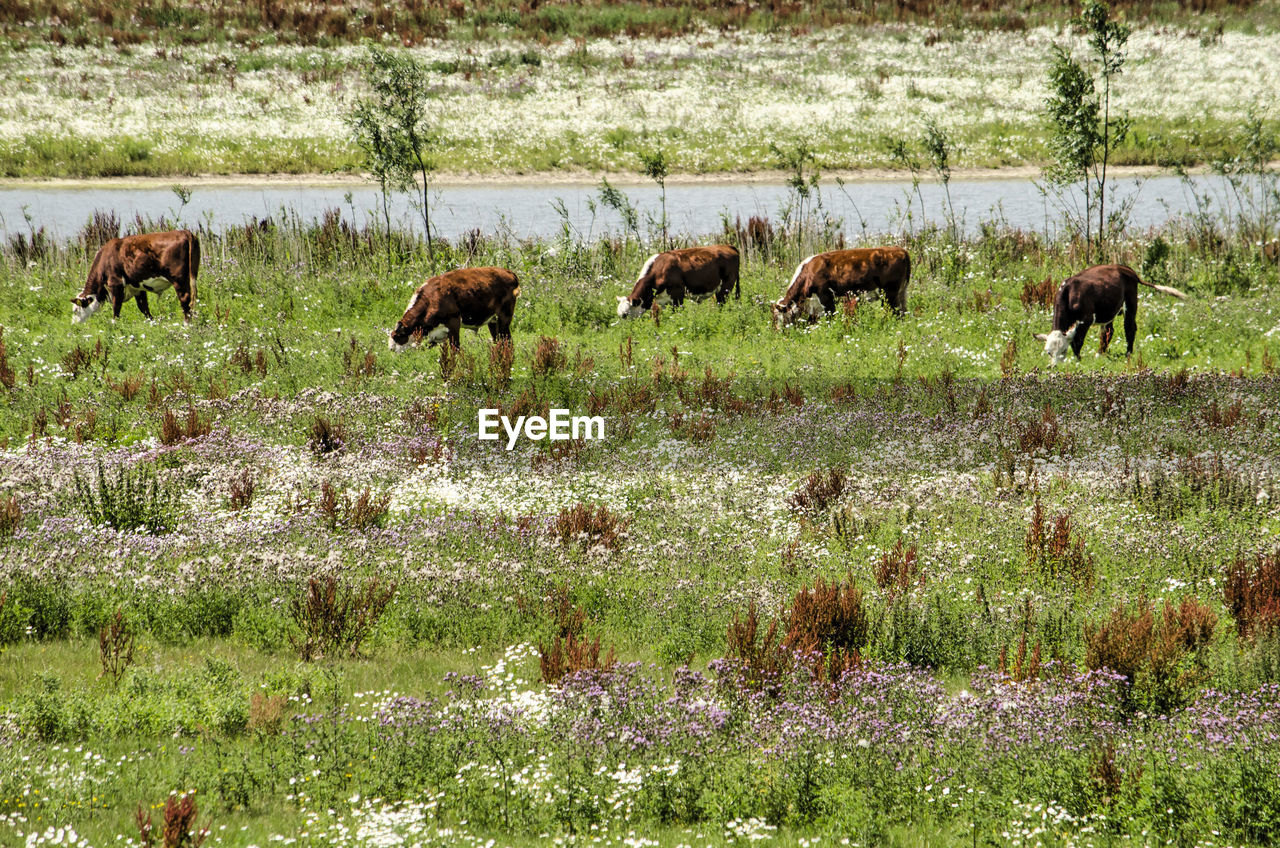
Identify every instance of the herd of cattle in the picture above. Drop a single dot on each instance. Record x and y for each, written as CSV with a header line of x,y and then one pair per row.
x,y
134,266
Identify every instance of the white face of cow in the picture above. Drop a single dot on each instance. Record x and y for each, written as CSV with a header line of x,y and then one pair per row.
x,y
784,315
82,308
1057,343
627,309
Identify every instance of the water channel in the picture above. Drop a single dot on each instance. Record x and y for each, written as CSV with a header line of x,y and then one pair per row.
x,y
543,210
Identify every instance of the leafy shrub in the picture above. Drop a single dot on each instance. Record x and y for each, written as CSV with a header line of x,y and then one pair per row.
x,y
334,619
548,356
326,437
1056,552
826,628
898,570
172,431
590,527
179,827
572,655
241,488
115,646
819,492
363,513
132,500
1251,590
10,516
1161,659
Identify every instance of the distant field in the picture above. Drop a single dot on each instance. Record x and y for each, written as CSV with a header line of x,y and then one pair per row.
x,y
713,101
129,22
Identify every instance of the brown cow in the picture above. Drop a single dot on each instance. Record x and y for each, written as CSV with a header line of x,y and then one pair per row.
x,y
1096,294
696,271
467,297
124,265
821,279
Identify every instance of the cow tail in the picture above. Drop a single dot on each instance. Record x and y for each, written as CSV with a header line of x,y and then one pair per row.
x,y
1164,289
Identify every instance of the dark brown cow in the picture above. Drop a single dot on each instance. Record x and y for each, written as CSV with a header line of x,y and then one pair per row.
x,y
468,297
820,280
1096,295
693,271
125,266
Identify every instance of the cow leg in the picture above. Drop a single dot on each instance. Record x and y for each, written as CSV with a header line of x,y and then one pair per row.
x,y
455,331
182,286
1130,327
827,298
1082,330
898,299
1104,337
141,299
117,298
675,291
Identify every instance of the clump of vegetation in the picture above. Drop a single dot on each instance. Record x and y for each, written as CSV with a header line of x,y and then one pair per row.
x,y
172,431
590,527
129,500
326,437
1055,551
333,618
1251,589
569,650
819,492
1161,657
115,646
825,629
361,513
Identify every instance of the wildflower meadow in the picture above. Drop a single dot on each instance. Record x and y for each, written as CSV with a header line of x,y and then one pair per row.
x,y
871,579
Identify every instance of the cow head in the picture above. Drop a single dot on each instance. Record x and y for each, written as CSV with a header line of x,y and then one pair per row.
x,y
399,339
1057,343
784,314
83,307
628,308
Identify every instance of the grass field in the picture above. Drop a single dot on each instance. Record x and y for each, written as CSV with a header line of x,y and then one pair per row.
x,y
338,608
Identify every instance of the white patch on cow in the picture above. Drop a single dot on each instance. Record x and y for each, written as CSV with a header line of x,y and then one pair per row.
x,y
627,309
80,314
439,334
648,263
157,285
1057,343
413,299
391,345
799,268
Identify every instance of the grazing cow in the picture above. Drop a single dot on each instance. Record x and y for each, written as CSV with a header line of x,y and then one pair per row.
x,y
821,279
696,271
124,267
468,297
1096,295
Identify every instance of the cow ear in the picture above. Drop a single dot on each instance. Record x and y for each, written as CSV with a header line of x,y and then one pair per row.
x,y
1041,337
1071,331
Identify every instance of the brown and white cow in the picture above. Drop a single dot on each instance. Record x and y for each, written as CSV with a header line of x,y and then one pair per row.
x,y
468,297
1096,295
822,279
669,276
125,267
